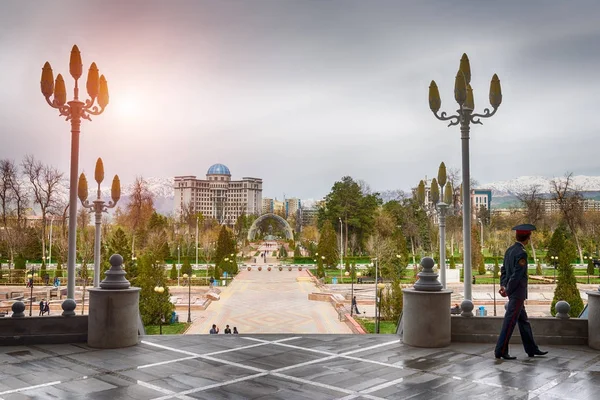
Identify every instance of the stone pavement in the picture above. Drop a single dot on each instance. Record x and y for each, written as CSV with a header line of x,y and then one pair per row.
x,y
293,367
268,302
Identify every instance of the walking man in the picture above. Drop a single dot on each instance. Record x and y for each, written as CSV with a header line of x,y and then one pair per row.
x,y
42,308
353,306
513,283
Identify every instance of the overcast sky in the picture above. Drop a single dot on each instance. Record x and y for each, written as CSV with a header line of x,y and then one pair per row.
x,y
301,93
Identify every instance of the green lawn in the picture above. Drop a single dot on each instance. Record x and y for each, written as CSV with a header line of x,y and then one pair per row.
x,y
384,326
172,329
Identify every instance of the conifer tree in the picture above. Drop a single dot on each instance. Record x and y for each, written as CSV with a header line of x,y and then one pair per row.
x,y
186,268
173,272
566,287
153,305
328,246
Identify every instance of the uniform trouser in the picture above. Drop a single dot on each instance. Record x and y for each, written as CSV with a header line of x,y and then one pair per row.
x,y
515,313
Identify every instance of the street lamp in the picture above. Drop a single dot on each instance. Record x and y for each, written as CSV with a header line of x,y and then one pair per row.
x,y
74,111
99,206
463,94
197,220
379,286
555,262
481,234
189,283
178,264
492,269
341,249
50,246
160,290
376,266
30,277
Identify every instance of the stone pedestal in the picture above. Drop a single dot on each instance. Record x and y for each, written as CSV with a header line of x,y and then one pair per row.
x,y
113,318
426,318
594,319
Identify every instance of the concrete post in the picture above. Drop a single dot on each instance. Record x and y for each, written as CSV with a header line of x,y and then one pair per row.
x,y
113,310
426,311
594,319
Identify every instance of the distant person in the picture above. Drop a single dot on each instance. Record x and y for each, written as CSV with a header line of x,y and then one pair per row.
x,y
227,330
354,306
513,283
42,309
212,281
235,331
455,309
214,330
474,280
46,308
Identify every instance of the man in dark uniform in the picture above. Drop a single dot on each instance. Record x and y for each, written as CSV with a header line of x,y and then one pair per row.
x,y
513,283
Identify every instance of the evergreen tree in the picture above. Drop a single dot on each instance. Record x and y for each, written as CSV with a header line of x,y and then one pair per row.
x,y
186,268
173,272
476,255
225,249
297,252
590,267
538,268
320,268
153,305
396,300
59,272
496,267
328,246
566,287
119,243
347,266
452,262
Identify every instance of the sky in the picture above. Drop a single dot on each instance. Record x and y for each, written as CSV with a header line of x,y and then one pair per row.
x,y
303,92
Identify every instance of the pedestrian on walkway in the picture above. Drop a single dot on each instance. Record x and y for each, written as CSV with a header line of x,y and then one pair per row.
x,y
214,330
41,307
227,330
354,305
46,308
235,331
513,283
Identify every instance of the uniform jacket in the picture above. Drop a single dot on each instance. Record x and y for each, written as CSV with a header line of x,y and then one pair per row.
x,y
513,275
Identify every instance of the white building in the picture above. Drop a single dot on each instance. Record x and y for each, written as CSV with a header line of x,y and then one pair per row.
x,y
218,196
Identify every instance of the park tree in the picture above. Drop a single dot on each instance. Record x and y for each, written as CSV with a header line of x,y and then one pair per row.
x,y
353,203
186,268
46,185
328,246
173,271
226,250
14,202
566,288
138,211
118,243
476,254
533,204
570,205
153,305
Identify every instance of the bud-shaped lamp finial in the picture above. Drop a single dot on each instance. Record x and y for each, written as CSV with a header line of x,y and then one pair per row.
x,y
465,67
435,191
495,92
82,188
470,101
460,88
448,193
75,65
47,81
103,94
99,172
442,174
92,84
435,101
60,92
115,190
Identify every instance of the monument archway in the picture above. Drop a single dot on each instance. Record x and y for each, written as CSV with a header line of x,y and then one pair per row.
x,y
289,233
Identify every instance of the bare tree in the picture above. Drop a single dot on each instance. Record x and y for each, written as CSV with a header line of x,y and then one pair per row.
x,y
533,203
570,205
140,207
46,183
13,203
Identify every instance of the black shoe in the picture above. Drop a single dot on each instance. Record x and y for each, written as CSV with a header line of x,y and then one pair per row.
x,y
537,353
506,357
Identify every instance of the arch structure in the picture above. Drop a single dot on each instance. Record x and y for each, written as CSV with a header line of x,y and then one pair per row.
x,y
289,233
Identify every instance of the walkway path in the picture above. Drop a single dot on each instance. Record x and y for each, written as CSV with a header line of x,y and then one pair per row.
x,y
269,302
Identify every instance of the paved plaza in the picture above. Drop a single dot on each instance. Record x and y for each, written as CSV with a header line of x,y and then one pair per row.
x,y
269,302
294,367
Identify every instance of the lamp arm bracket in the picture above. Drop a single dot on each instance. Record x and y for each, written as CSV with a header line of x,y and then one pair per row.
x,y
454,119
92,109
476,118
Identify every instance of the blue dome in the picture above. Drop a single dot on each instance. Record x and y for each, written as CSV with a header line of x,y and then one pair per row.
x,y
218,169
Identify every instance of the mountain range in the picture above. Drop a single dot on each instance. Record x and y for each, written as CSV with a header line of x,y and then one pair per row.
x,y
503,192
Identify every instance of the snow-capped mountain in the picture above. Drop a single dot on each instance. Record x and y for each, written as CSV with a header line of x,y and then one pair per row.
x,y
510,187
161,188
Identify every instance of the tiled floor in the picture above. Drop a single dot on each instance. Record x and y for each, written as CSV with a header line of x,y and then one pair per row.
x,y
293,367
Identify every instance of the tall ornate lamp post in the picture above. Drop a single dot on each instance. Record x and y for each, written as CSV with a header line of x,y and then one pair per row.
x,y
74,111
30,277
189,283
98,206
555,264
463,94
160,290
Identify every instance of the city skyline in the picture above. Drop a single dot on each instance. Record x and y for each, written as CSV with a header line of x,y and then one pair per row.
x,y
301,93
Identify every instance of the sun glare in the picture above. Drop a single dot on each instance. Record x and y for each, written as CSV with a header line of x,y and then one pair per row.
x,y
126,107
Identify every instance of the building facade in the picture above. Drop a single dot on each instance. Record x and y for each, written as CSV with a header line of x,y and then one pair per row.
x,y
218,196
